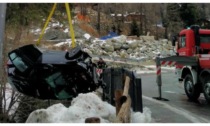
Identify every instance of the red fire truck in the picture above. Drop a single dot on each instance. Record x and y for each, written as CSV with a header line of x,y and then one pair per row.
x,y
193,61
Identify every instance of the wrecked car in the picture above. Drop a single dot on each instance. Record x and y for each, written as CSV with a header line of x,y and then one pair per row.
x,y
51,74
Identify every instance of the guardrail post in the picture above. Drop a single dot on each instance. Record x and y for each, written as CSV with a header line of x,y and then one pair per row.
x,y
159,79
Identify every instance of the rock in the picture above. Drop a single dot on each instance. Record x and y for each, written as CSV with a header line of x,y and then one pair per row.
x,y
140,42
164,40
137,49
54,34
109,42
87,50
125,46
129,51
132,44
143,49
120,39
148,38
114,54
153,47
108,48
132,56
123,54
51,35
104,53
117,46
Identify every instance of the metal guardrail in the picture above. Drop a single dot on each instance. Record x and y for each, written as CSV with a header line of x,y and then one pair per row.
x,y
114,77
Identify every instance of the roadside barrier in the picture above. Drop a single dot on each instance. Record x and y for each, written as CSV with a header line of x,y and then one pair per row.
x,y
114,79
159,79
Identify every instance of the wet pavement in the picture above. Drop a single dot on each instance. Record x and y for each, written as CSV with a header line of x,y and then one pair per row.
x,y
178,109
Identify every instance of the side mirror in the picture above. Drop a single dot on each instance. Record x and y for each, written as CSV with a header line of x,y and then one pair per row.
x,y
174,39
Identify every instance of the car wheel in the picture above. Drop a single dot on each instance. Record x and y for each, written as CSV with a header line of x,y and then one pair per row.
x,y
206,89
192,91
73,53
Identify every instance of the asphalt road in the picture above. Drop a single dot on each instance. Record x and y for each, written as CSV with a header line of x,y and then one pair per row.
x,y
178,109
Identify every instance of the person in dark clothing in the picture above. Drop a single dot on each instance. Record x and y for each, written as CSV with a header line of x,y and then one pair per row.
x,y
101,64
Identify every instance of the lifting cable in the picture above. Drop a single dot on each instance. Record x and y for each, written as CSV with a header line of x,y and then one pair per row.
x,y
46,23
70,24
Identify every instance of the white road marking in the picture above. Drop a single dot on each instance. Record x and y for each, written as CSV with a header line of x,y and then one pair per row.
x,y
170,92
182,112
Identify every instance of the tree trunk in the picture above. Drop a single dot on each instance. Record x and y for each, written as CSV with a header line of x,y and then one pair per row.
x,y
145,22
166,32
18,35
140,19
98,26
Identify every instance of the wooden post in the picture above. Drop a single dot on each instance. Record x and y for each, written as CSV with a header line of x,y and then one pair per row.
x,y
124,114
92,120
126,86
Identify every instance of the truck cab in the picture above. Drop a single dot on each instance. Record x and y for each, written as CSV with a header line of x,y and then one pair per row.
x,y
193,41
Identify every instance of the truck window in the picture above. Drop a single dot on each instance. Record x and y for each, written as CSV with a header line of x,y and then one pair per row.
x,y
182,42
204,38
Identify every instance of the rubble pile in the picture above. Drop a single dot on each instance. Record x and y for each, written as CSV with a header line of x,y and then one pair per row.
x,y
146,47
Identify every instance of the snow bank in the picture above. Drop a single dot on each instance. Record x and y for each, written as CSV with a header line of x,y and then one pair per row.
x,y
82,107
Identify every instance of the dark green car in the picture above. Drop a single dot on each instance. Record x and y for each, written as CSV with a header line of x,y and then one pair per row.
x,y
51,74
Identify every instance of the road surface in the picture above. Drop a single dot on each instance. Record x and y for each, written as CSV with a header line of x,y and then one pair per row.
x,y
178,109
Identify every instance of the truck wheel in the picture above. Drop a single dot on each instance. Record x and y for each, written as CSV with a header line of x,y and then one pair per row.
x,y
206,89
192,91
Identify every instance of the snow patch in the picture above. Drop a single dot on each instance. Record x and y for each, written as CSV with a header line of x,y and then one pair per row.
x,y
66,30
68,41
87,36
82,107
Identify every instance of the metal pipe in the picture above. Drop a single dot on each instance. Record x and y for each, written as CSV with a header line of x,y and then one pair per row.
x,y
2,27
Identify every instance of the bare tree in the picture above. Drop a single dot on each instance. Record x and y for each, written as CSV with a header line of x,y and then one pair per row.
x,y
99,17
140,18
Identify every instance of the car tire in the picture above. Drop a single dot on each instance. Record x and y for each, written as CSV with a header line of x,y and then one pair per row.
x,y
206,89
73,53
192,91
